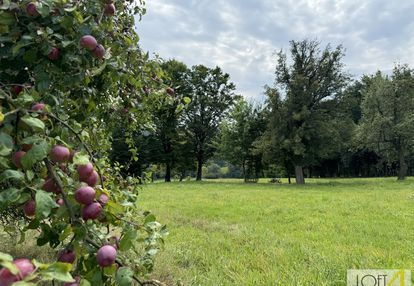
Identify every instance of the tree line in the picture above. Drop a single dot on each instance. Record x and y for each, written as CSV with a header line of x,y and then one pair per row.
x,y
316,121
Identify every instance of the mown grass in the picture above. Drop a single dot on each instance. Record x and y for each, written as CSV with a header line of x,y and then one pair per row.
x,y
230,233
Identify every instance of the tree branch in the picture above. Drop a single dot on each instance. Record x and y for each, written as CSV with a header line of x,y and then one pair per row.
x,y
56,179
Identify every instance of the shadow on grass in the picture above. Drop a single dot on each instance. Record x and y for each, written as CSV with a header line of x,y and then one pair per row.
x,y
310,183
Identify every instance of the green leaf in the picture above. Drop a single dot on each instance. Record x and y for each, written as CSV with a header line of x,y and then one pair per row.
x,y
44,204
5,5
186,100
58,271
84,282
128,239
98,70
9,196
24,99
23,283
36,154
11,175
124,276
80,159
6,260
32,140
6,18
5,257
66,43
43,10
6,144
110,270
30,56
114,208
16,48
150,218
34,123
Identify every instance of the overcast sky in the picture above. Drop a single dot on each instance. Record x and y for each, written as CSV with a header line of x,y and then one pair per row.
x,y
241,36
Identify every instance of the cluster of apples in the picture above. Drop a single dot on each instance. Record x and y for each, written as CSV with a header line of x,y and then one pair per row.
x,y
85,195
105,256
89,42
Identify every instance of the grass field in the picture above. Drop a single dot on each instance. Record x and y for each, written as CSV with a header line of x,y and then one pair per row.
x,y
231,233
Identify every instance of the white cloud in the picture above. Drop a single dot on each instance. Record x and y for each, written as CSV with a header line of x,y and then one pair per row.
x,y
242,36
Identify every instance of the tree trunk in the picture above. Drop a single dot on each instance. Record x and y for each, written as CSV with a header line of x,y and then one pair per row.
x,y
300,179
199,169
168,173
244,171
402,172
289,178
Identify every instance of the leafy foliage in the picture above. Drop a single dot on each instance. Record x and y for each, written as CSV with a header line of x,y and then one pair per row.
x,y
56,91
244,125
302,128
212,94
387,124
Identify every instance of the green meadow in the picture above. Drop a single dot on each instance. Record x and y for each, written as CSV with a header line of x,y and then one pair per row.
x,y
226,232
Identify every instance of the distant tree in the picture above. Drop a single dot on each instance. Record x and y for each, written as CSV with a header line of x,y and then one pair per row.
x,y
387,124
302,132
239,131
167,115
272,142
212,94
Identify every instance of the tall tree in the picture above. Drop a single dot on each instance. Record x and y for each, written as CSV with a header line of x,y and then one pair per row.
x,y
314,77
387,124
239,131
169,111
212,94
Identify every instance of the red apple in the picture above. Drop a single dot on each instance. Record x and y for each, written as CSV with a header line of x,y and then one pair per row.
x,y
85,171
7,278
103,199
85,195
38,107
60,202
92,180
26,147
99,52
110,9
29,208
170,91
91,211
88,42
106,255
25,268
67,256
31,9
54,54
51,186
59,154
16,89
17,158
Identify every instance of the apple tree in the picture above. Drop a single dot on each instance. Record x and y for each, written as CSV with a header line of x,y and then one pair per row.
x,y
69,71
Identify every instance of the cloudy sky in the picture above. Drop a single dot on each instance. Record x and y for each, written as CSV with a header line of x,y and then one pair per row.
x,y
241,36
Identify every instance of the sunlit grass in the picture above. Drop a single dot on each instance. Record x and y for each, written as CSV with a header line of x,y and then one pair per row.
x,y
225,232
